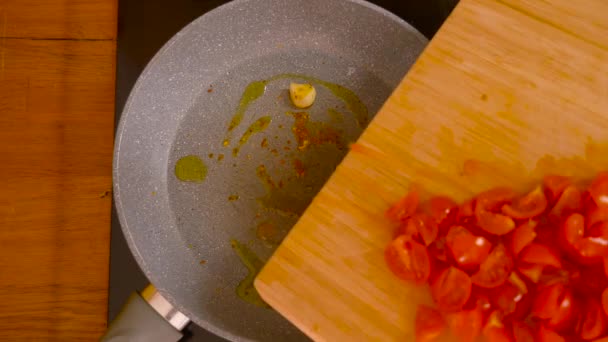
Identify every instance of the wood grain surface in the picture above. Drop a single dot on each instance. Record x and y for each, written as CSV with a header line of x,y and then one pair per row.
x,y
507,91
56,131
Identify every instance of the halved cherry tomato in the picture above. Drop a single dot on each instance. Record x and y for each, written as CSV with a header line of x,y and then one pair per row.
x,y
493,199
466,210
507,298
494,330
570,201
441,207
592,323
496,224
554,303
547,335
430,324
599,230
420,226
405,207
599,189
538,254
573,228
495,270
438,250
591,250
408,259
467,249
555,185
529,206
452,289
522,332
605,301
523,236
466,324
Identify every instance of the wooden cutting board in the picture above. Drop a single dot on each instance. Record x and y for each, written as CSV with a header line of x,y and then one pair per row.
x,y
507,91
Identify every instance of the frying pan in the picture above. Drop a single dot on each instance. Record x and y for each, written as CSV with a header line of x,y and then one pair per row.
x,y
183,233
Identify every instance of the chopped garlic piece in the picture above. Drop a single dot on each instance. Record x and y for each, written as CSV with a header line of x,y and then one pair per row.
x,y
302,95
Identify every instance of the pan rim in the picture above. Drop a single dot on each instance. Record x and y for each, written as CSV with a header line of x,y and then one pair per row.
x,y
122,129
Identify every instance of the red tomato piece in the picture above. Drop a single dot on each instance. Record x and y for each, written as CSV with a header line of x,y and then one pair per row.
x,y
591,249
529,206
494,330
592,323
405,207
570,201
467,249
408,259
466,210
426,227
496,224
466,324
430,324
606,266
547,335
495,270
555,185
523,236
441,207
603,339
532,272
538,254
522,332
507,298
452,289
597,215
492,200
554,303
599,189
605,301
573,228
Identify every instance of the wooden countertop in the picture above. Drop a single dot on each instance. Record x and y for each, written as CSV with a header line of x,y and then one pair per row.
x,y
57,71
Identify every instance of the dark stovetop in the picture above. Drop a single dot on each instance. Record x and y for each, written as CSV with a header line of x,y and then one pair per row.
x,y
143,27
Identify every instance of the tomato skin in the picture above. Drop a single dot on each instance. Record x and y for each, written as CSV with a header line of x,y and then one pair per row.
x,y
555,185
554,303
405,207
570,201
573,229
420,226
532,272
441,207
592,323
522,332
597,215
605,301
466,248
408,260
538,254
547,335
599,189
591,250
452,289
430,324
529,206
466,324
523,236
606,266
495,269
496,224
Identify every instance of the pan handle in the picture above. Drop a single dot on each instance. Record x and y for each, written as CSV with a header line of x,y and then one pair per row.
x,y
146,317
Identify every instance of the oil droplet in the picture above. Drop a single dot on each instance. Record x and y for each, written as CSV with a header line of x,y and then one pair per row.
x,y
258,126
190,169
210,155
264,143
233,198
299,167
220,157
202,262
226,142
335,115
262,174
245,290
252,92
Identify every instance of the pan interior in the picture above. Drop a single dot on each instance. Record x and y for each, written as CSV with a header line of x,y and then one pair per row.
x,y
181,231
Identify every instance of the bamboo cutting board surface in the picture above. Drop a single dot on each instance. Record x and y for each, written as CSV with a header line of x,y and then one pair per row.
x,y
507,91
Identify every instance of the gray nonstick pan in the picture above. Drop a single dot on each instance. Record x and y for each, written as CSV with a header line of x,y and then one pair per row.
x,y
213,164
